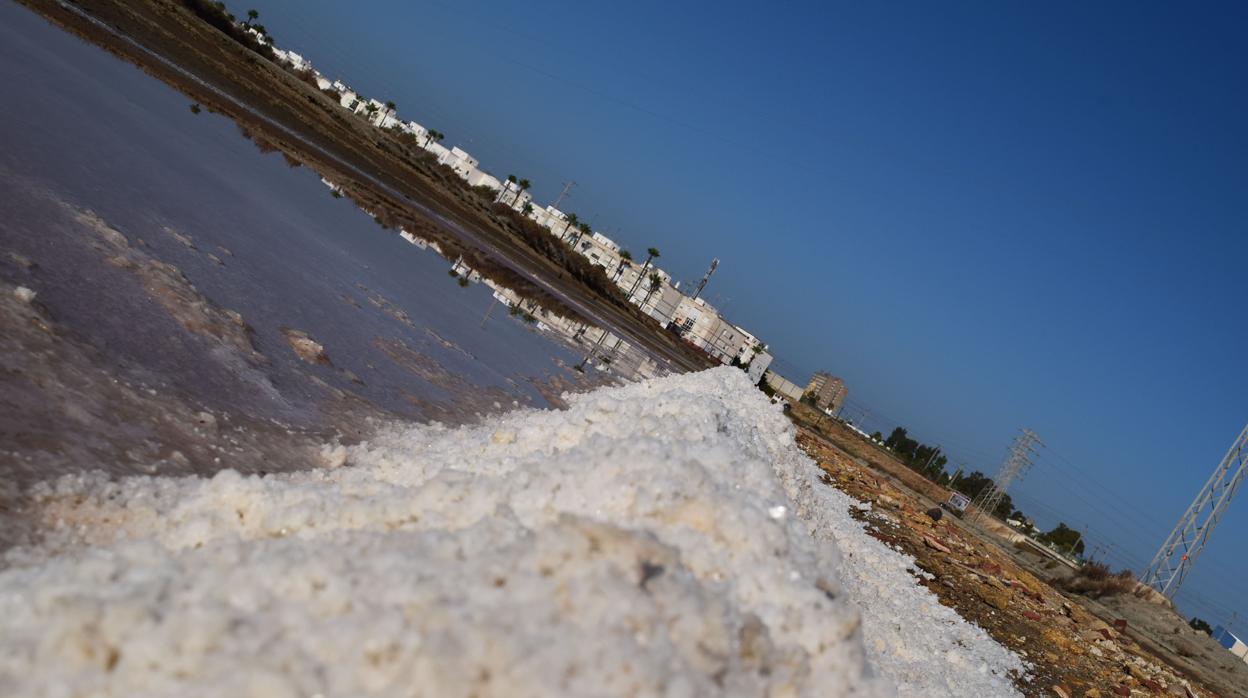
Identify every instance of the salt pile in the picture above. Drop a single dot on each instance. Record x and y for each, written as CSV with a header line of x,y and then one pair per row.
x,y
663,538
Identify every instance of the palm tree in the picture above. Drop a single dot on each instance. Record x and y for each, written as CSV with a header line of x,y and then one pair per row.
x,y
571,221
390,105
511,179
656,282
625,258
524,185
252,16
432,135
651,253
528,208
584,230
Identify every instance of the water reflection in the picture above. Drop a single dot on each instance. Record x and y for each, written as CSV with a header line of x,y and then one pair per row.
x,y
170,259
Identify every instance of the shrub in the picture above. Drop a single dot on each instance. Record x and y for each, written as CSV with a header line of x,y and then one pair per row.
x,y
1094,579
485,192
215,14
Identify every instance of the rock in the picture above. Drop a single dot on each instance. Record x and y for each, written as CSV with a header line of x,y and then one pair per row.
x,y
305,347
24,294
936,545
1120,624
997,598
206,420
1135,672
1091,693
1050,658
1061,691
334,456
1121,690
1055,638
184,239
1031,615
934,514
21,261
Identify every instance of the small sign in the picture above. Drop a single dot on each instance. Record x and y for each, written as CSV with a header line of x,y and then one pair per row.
x,y
958,501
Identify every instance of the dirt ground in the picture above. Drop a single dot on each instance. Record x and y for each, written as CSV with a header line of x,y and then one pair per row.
x,y
1117,646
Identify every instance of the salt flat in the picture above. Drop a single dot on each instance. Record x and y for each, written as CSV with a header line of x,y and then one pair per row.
x,y
660,538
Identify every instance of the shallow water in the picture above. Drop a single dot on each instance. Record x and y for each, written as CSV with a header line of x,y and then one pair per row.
x,y
86,132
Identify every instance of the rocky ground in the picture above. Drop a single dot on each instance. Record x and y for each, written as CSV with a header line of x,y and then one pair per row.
x,y
1076,646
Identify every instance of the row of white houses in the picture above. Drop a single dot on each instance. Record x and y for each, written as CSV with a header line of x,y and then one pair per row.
x,y
646,285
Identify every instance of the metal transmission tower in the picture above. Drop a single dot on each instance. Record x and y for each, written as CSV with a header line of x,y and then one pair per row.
x,y
1017,461
567,188
702,284
1177,555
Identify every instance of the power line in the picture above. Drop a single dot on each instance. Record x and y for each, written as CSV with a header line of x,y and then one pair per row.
x,y
1017,461
1186,542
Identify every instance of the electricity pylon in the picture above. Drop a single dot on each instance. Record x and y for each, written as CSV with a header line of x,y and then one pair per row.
x,y
1017,461
1177,555
567,187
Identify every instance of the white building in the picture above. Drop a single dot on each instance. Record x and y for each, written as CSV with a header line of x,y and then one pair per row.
x,y
784,388
381,115
438,150
479,178
758,366
512,195
660,305
459,160
550,217
420,133
293,59
347,97
700,324
260,36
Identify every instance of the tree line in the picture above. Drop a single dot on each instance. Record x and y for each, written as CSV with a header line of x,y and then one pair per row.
x,y
930,462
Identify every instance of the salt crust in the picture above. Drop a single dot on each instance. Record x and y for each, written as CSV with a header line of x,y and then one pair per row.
x,y
662,538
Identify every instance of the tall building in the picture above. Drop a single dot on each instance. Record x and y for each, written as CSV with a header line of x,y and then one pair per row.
x,y
827,391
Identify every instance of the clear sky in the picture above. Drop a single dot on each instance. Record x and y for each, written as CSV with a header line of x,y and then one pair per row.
x,y
983,216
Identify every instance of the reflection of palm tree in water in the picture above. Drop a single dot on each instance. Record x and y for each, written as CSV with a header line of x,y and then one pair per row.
x,y
581,366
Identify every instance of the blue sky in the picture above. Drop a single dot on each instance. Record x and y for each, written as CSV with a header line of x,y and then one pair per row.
x,y
982,215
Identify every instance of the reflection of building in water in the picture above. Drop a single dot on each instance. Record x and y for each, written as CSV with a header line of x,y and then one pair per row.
x,y
644,284
602,350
